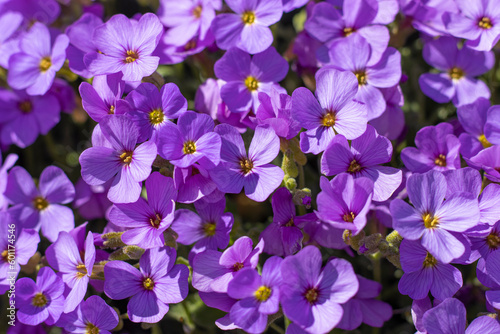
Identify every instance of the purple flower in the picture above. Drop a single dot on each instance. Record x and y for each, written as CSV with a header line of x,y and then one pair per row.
x,y
194,183
289,5
336,111
362,159
114,156
247,29
488,160
81,42
213,270
487,240
283,236
251,171
147,220
92,315
311,296
481,124
434,219
437,149
24,117
275,110
460,67
7,164
126,46
210,228
91,201
34,67
355,55
75,267
104,96
9,22
153,109
424,273
247,76
41,208
392,122
364,308
45,12
450,317
478,23
191,141
42,301
157,283
258,296
344,201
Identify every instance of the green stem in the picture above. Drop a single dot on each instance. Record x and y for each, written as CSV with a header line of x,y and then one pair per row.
x,y
277,328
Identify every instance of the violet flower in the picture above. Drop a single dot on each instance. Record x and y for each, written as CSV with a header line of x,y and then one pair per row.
x,y
41,208
10,160
489,161
252,171
9,44
91,201
157,283
392,122
115,157
147,220
194,183
310,295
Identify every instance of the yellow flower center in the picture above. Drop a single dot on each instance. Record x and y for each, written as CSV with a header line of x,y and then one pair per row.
x,y
440,160
263,293
252,83
246,165
248,17
349,217
237,266
209,229
361,76
111,110
484,141
492,240
156,222
430,261
131,56
348,31
430,221
82,271
354,167
126,158
40,203
189,147
91,329
312,295
485,23
39,300
5,254
156,117
26,107
148,284
328,119
197,11
45,64
456,73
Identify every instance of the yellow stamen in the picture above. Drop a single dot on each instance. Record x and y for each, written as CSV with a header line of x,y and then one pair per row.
x,y
430,221
155,223
209,229
40,203
148,284
440,160
45,64
111,110
156,117
430,261
493,241
131,56
456,73
39,300
91,329
189,147
290,223
248,17
126,158
348,31
197,11
349,217
361,76
312,295
251,83
263,293
237,266
485,23
246,165
484,141
328,119
354,167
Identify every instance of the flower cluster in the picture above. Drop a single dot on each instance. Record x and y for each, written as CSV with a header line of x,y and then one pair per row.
x,y
277,169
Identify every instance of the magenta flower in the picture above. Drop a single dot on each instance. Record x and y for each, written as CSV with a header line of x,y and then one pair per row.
x,y
42,301
91,315
126,46
247,76
34,67
248,28
311,295
434,220
362,159
147,220
332,111
252,171
41,208
157,283
115,157
191,141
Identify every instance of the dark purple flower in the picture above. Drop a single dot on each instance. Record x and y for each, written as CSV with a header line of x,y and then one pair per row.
x,y
42,301
41,208
258,296
147,220
247,76
91,201
34,67
125,46
437,149
459,68
310,295
247,28
157,283
363,159
252,171
115,157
